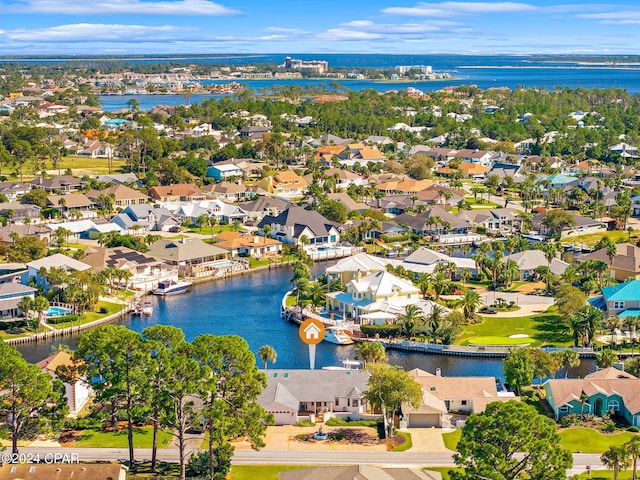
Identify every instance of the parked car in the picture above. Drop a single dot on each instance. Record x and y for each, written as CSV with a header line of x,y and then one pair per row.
x,y
488,310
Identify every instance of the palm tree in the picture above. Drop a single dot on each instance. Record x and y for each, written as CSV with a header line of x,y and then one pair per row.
x,y
606,358
569,359
616,458
465,274
633,449
40,306
371,352
317,294
631,323
439,284
434,319
423,282
612,251
470,303
410,319
267,354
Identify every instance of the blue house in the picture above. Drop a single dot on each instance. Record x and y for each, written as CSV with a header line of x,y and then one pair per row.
x,y
620,300
223,172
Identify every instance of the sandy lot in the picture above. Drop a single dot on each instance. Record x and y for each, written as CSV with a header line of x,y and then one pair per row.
x,y
283,438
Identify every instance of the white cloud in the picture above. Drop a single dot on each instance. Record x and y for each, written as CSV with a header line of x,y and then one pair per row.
x,y
450,9
91,32
626,17
120,7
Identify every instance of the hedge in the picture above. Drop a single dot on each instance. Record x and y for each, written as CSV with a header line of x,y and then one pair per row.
x,y
63,319
382,330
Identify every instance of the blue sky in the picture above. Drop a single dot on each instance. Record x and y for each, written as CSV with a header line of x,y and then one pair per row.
x,y
48,27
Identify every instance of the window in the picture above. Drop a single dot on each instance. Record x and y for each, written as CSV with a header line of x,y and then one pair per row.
x,y
463,403
564,409
354,403
618,305
613,405
337,402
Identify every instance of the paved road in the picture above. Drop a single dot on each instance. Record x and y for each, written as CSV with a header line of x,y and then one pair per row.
x,y
278,457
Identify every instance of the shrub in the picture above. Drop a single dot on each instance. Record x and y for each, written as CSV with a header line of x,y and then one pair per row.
x,y
609,427
305,423
87,423
63,319
633,429
348,422
103,310
571,419
382,330
336,436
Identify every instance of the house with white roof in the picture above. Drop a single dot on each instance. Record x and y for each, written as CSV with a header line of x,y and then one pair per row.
x,y
295,224
425,260
57,260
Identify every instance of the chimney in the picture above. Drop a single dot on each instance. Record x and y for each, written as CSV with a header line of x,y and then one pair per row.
x,y
256,239
438,372
358,276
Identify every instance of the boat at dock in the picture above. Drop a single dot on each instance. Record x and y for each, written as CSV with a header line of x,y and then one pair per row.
x,y
147,309
171,287
337,335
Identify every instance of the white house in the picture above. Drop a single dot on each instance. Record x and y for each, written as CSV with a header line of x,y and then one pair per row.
x,y
77,392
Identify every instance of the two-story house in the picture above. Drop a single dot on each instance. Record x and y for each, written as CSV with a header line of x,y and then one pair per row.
x,y
300,226
286,184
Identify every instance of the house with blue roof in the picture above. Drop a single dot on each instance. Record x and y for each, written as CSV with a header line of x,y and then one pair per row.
x,y
622,300
559,180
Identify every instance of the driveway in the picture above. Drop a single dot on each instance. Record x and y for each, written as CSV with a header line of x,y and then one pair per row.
x,y
427,440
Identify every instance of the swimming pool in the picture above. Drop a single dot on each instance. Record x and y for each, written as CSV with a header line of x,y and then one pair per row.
x,y
57,311
326,249
222,263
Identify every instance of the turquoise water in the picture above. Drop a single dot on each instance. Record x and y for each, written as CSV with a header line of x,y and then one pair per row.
x,y
57,312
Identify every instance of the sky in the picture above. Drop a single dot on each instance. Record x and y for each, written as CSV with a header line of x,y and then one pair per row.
x,y
121,27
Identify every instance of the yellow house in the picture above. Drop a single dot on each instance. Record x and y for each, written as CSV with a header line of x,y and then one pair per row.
x,y
285,184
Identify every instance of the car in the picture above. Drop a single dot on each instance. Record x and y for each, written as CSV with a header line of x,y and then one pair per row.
x,y
174,230
488,310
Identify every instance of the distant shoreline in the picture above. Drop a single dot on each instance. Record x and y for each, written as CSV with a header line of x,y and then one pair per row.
x,y
579,66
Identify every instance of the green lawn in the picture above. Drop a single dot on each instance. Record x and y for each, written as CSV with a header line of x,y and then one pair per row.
x,y
451,439
482,202
93,316
616,236
605,475
142,438
587,440
498,341
254,262
544,329
263,472
408,443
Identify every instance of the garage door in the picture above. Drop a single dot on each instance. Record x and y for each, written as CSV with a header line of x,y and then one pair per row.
x,y
418,420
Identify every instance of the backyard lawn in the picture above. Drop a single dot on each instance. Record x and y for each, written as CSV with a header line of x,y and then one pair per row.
x,y
544,329
142,438
93,316
616,236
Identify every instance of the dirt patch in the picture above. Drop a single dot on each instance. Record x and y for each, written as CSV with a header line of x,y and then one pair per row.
x,y
67,437
394,442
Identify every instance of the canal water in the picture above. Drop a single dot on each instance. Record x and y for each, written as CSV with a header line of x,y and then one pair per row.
x,y
248,306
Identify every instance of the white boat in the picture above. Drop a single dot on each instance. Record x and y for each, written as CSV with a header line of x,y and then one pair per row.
x,y
337,335
171,287
147,309
346,365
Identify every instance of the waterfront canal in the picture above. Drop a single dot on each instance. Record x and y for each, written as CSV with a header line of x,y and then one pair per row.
x,y
248,306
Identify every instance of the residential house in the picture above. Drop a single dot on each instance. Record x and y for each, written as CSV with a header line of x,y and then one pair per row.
x,y
63,471
184,192
232,192
349,203
76,391
442,396
437,195
14,273
295,395
57,260
582,226
396,204
328,153
377,292
503,170
620,394
347,268
286,184
379,140
120,178
530,260
14,190
254,133
259,208
442,222
243,245
625,150
192,256
359,472
122,195
497,220
624,265
295,224
466,169
363,156
95,149
11,293
425,260
483,157
441,156
224,213
20,212
147,216
558,180
62,184
77,205
146,271
404,186
622,300
224,171
342,177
